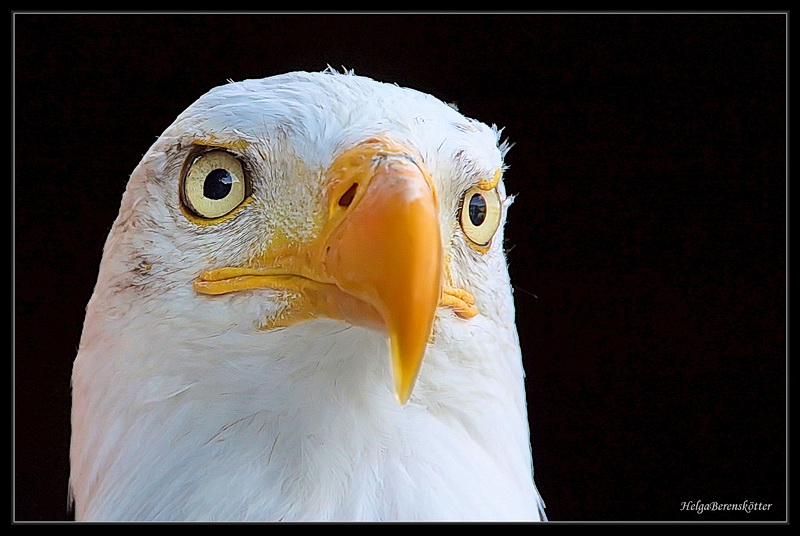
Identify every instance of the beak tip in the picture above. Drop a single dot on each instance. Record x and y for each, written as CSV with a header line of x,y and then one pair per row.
x,y
406,367
402,392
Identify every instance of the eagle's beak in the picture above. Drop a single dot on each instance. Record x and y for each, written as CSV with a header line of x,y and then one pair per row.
x,y
377,261
387,248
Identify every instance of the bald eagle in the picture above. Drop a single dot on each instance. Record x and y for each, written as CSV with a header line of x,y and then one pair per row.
x,y
303,313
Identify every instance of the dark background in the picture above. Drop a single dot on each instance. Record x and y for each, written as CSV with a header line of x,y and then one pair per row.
x,y
647,243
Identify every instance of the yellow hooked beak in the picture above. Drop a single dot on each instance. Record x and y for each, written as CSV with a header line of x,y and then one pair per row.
x,y
377,261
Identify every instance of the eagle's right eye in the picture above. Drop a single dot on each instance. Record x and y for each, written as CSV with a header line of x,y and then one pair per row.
x,y
214,184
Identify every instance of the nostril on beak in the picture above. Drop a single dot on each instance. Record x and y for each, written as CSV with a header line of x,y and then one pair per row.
x,y
348,196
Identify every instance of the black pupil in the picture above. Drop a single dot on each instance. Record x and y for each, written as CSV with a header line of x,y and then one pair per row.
x,y
477,209
218,184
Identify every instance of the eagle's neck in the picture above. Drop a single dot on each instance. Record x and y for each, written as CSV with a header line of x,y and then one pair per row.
x,y
177,422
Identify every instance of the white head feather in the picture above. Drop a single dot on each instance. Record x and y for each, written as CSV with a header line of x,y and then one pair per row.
x,y
185,410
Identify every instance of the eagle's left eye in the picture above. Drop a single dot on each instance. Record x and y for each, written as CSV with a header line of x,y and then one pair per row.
x,y
480,215
213,184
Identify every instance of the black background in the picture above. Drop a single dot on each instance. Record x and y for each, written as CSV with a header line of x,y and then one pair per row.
x,y
647,243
